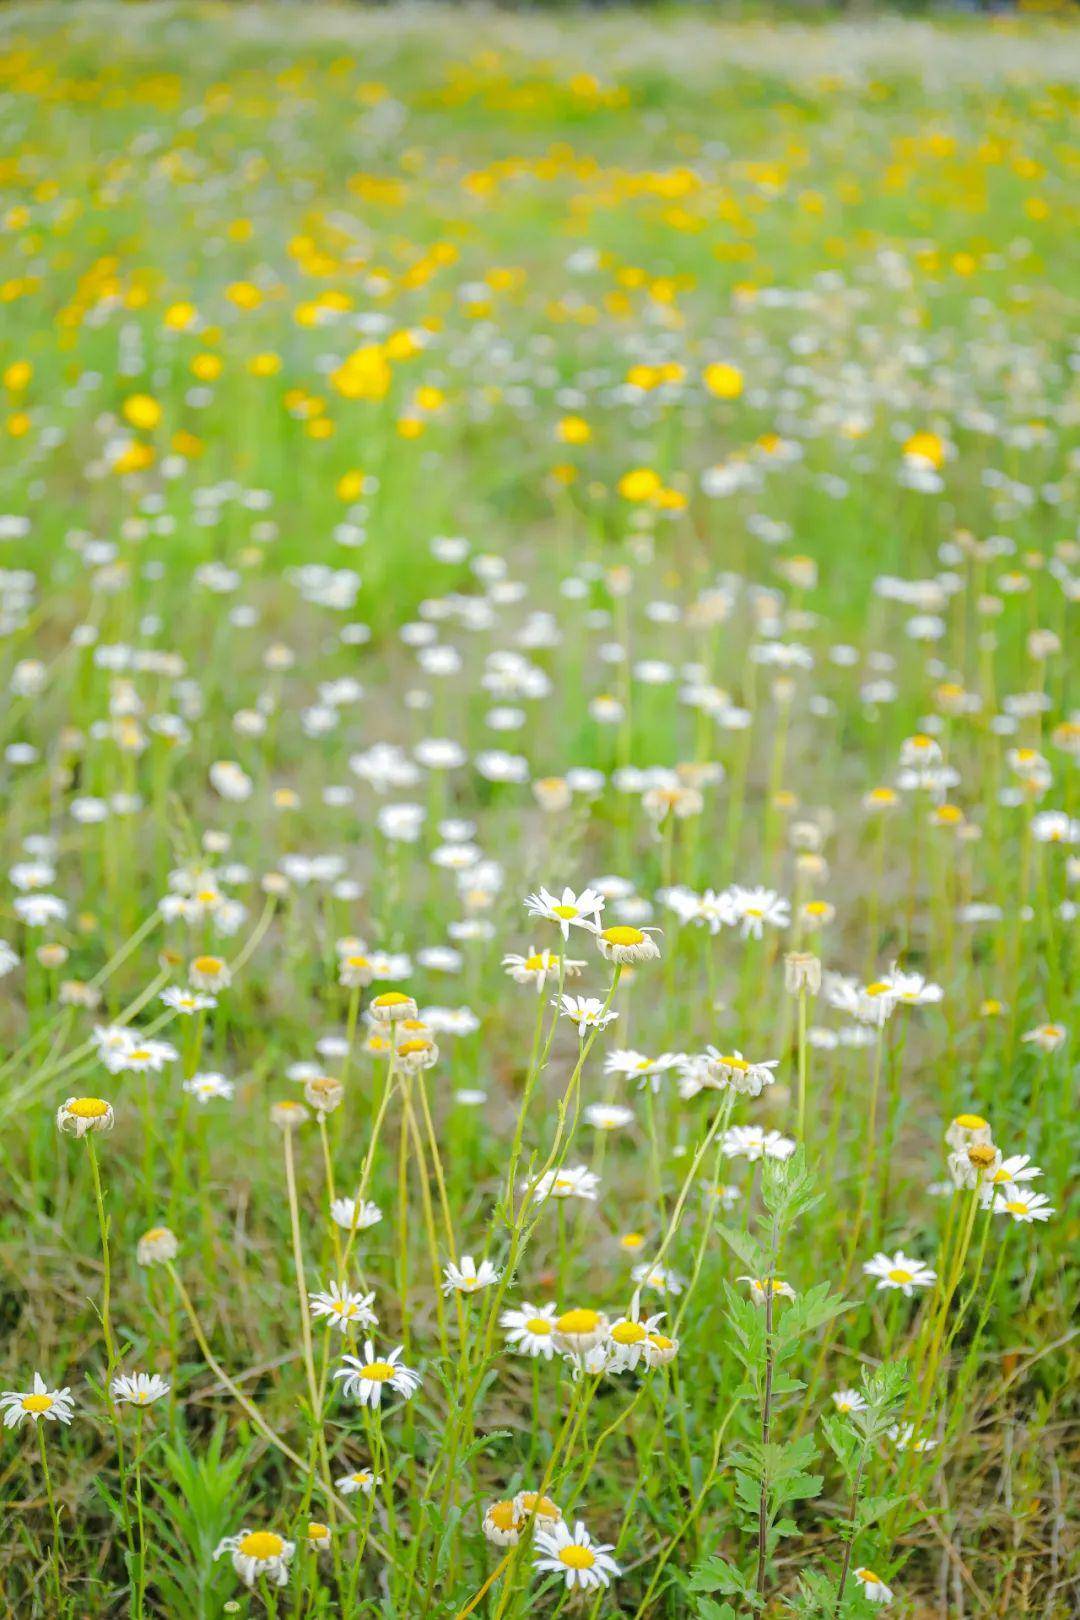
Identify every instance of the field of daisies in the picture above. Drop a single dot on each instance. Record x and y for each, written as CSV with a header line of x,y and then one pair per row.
x,y
538,590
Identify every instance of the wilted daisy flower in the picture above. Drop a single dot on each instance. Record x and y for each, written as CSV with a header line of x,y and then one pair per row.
x,y
258,1555
367,1378
361,1479
585,1564
288,1115
138,1389
530,1329
355,971
156,1246
78,1115
968,1130
1023,1204
343,1308
467,1277
354,1215
323,1093
54,1405
570,911
574,1181
873,1587
899,1271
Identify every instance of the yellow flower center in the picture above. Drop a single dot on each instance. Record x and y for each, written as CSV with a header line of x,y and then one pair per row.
x,y
660,1342
735,1063
628,1333
622,936
970,1122
261,1545
632,1240
541,1507
575,1557
897,1274
539,1325
379,1372
534,964
36,1403
565,912
155,1234
208,964
878,988
869,1576
816,908
140,1055
1015,1206
88,1107
317,1532
414,1048
502,1515
390,998
578,1321
356,961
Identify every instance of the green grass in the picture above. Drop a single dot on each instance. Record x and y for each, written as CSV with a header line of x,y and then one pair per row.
x,y
515,226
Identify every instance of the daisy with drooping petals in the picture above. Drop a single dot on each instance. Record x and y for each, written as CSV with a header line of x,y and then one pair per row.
x,y
80,1115
761,1287
502,1525
570,911
368,1377
873,1587
585,1564
258,1555
624,945
354,1214
899,1272
54,1405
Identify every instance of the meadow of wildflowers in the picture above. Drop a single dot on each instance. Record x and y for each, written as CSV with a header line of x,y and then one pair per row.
x,y
538,579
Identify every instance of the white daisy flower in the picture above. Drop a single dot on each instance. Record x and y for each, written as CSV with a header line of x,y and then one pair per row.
x,y
899,1271
1023,1204
367,1378
586,1012
353,1214
585,1564
361,1479
138,1389
573,1181
54,1405
467,1277
343,1308
568,911
531,1329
